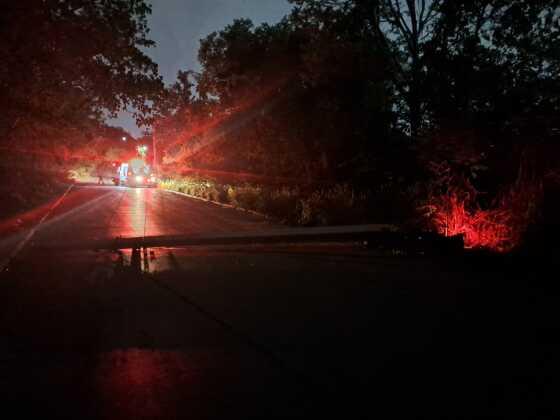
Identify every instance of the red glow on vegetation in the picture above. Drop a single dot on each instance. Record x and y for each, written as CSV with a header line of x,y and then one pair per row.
x,y
499,228
489,229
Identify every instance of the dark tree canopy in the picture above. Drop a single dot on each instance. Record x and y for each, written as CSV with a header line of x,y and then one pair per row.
x,y
66,64
302,100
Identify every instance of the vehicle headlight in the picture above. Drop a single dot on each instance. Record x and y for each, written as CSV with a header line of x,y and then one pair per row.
x,y
139,178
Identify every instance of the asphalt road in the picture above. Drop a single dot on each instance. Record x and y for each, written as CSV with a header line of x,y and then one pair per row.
x,y
324,330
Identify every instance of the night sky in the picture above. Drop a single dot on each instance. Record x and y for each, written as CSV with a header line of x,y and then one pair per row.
x,y
178,25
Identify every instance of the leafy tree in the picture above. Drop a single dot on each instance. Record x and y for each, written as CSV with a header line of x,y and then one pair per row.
x,y
493,73
67,64
495,60
479,78
285,99
398,28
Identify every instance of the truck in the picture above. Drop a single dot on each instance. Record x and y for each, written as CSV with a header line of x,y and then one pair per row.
x,y
135,173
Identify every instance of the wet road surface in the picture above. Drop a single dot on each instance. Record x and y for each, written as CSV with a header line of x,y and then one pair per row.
x,y
327,331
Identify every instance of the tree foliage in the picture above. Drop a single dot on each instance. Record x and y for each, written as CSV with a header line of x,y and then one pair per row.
x,y
67,64
281,100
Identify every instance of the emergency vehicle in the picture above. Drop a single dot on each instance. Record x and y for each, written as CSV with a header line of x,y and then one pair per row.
x,y
135,173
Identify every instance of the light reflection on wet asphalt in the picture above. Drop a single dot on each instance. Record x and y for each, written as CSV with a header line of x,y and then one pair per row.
x,y
108,213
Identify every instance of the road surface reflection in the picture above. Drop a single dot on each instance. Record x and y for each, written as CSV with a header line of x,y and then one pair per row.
x,y
139,383
133,214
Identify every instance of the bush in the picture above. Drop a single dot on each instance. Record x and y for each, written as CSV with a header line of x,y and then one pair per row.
x,y
283,203
82,173
223,194
337,205
499,227
247,197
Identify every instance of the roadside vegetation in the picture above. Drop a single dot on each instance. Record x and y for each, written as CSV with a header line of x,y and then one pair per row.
x,y
337,204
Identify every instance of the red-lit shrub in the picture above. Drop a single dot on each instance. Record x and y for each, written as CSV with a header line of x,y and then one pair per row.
x,y
500,227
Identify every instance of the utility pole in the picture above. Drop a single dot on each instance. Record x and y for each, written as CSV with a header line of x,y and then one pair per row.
x,y
154,151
